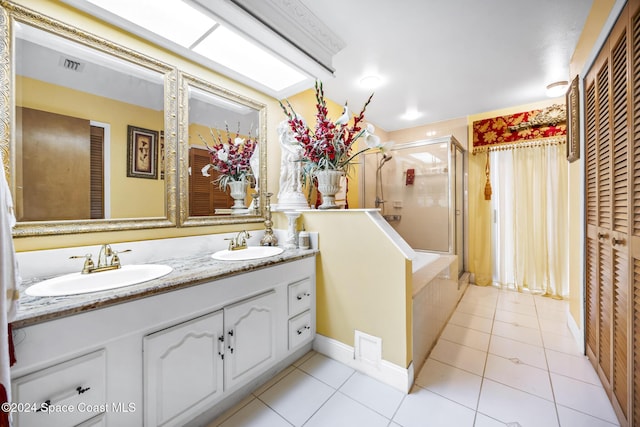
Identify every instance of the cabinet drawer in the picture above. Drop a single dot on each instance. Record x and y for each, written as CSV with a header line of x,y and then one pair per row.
x,y
300,329
299,296
74,390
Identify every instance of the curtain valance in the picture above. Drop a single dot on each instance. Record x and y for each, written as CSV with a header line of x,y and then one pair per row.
x,y
530,128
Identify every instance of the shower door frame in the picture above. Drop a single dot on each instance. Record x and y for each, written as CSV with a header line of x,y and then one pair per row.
x,y
453,147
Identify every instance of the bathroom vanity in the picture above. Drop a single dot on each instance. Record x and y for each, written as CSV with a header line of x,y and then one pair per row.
x,y
172,351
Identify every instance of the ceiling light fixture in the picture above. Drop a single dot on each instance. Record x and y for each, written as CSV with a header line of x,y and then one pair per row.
x,y
557,88
370,82
411,115
230,37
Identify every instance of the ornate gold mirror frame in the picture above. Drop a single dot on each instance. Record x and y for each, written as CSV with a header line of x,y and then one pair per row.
x,y
186,81
11,13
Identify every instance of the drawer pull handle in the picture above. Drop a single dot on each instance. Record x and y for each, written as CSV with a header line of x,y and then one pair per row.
x,y
221,346
306,294
301,330
62,397
231,341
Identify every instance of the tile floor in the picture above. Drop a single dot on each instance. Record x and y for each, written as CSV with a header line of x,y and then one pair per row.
x,y
504,359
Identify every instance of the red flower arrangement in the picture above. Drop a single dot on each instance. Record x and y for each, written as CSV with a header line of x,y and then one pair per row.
x,y
231,157
329,146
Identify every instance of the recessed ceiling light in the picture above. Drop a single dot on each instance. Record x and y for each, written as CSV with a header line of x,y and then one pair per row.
x,y
370,82
411,115
557,88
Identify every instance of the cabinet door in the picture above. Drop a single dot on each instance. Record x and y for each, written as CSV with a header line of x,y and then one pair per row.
x,y
250,338
183,370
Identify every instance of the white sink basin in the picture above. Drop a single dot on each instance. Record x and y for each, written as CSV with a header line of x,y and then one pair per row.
x,y
252,252
77,283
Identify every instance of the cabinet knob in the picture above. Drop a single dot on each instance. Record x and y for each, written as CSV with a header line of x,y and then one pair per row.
x,y
602,236
615,241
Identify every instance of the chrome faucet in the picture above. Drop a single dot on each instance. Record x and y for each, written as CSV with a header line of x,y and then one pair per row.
x,y
240,241
108,259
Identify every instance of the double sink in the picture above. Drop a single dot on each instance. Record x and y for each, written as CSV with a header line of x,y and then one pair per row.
x,y
79,283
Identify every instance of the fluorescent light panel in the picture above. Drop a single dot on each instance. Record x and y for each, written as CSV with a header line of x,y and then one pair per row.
x,y
171,19
180,23
231,50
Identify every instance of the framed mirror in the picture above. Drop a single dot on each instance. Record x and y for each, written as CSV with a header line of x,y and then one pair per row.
x,y
89,129
209,114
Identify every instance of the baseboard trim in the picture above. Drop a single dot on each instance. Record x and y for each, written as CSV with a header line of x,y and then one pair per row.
x,y
576,331
386,372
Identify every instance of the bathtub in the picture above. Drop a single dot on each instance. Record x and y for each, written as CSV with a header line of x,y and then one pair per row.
x,y
436,292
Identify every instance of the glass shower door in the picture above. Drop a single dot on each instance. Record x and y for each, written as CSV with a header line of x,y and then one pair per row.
x,y
419,188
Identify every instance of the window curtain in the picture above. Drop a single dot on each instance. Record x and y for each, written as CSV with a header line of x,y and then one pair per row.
x,y
530,229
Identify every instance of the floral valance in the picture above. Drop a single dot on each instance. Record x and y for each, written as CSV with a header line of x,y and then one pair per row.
x,y
547,125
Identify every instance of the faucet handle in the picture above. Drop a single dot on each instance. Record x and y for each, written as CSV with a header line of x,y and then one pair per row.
x,y
232,242
115,259
88,263
245,236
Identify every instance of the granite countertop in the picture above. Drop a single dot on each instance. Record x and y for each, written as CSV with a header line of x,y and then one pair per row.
x,y
187,271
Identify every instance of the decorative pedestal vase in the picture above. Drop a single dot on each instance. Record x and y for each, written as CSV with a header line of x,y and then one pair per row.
x,y
238,191
328,186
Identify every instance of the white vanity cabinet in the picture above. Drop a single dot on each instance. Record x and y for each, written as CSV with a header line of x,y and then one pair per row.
x,y
250,337
183,370
172,358
188,366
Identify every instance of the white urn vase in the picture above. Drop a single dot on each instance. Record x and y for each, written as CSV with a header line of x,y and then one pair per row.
x,y
329,186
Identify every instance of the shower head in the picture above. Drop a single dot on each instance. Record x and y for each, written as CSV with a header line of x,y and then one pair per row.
x,y
385,158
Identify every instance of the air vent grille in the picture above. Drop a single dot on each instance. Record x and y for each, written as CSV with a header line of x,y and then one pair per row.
x,y
71,64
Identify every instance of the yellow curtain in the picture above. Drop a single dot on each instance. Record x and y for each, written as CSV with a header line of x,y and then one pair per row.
x,y
531,229
479,222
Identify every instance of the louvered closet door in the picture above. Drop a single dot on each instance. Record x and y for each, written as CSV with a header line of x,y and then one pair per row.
x,y
620,131
634,189
599,212
612,161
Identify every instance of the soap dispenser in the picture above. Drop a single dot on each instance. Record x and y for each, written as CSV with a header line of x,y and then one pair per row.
x,y
304,240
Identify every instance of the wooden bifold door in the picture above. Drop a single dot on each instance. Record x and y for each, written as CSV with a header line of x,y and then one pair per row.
x,y
612,207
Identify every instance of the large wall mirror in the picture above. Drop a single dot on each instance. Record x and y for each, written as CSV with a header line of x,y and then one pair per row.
x,y
93,136
89,131
207,112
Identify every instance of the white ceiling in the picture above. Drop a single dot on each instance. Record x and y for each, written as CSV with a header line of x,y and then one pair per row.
x,y
448,58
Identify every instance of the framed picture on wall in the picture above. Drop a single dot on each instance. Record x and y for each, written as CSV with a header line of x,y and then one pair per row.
x,y
573,121
142,153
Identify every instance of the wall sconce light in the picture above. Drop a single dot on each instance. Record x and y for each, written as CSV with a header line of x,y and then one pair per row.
x,y
557,89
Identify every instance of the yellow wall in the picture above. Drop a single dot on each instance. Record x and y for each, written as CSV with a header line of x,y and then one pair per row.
x,y
455,127
69,15
147,194
374,298
586,44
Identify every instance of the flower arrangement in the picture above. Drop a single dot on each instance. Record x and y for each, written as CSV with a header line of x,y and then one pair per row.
x,y
230,156
329,145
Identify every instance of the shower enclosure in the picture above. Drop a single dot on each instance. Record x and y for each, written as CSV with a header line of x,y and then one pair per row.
x,y
419,188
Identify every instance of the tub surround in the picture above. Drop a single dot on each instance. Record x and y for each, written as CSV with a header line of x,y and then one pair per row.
x,y
190,258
